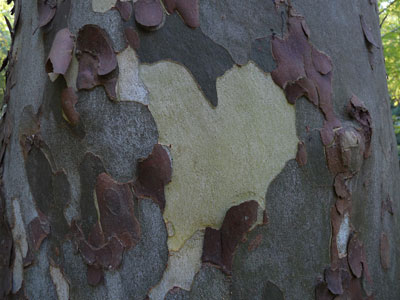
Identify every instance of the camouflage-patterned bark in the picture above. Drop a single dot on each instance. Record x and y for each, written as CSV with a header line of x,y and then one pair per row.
x,y
198,149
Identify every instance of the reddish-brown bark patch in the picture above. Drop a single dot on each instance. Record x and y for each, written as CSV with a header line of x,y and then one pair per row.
x,y
115,202
212,251
301,156
148,13
107,256
334,158
125,9
343,201
95,41
220,245
60,53
322,292
132,37
355,290
303,70
95,275
46,11
39,229
355,256
187,9
6,250
334,280
117,228
97,60
68,101
384,251
360,113
255,243
340,186
154,173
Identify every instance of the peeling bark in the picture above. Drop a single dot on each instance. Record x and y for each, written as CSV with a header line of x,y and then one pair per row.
x,y
234,162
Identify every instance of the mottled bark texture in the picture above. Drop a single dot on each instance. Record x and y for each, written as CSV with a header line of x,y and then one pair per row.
x,y
197,149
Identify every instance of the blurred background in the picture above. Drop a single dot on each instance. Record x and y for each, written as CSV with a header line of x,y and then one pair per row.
x,y
389,15
5,40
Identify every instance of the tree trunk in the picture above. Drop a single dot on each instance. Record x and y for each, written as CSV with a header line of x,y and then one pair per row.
x,y
198,150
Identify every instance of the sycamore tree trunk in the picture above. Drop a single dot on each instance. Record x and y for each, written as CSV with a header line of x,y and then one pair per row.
x,y
198,149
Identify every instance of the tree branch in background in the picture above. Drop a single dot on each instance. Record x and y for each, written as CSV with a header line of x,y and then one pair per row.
x,y
391,31
383,20
386,8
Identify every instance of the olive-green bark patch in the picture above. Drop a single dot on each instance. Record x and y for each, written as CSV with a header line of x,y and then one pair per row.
x,y
221,157
61,284
129,85
20,245
72,73
182,267
102,6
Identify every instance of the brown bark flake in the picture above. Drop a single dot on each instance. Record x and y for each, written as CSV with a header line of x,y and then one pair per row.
x,y
46,11
384,251
97,60
117,228
149,13
154,173
212,251
68,101
355,256
107,256
95,275
322,292
60,53
254,244
334,280
220,245
357,110
303,70
340,186
125,9
39,229
187,9
94,40
115,202
132,37
301,156
355,290
6,250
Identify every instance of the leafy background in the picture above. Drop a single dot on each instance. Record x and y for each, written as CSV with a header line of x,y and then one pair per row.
x,y
5,40
389,13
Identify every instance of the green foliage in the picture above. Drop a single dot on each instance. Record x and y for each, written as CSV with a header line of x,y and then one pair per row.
x,y
390,29
5,40
389,14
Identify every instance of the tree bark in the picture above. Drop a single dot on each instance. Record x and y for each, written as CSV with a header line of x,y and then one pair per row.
x,y
198,150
